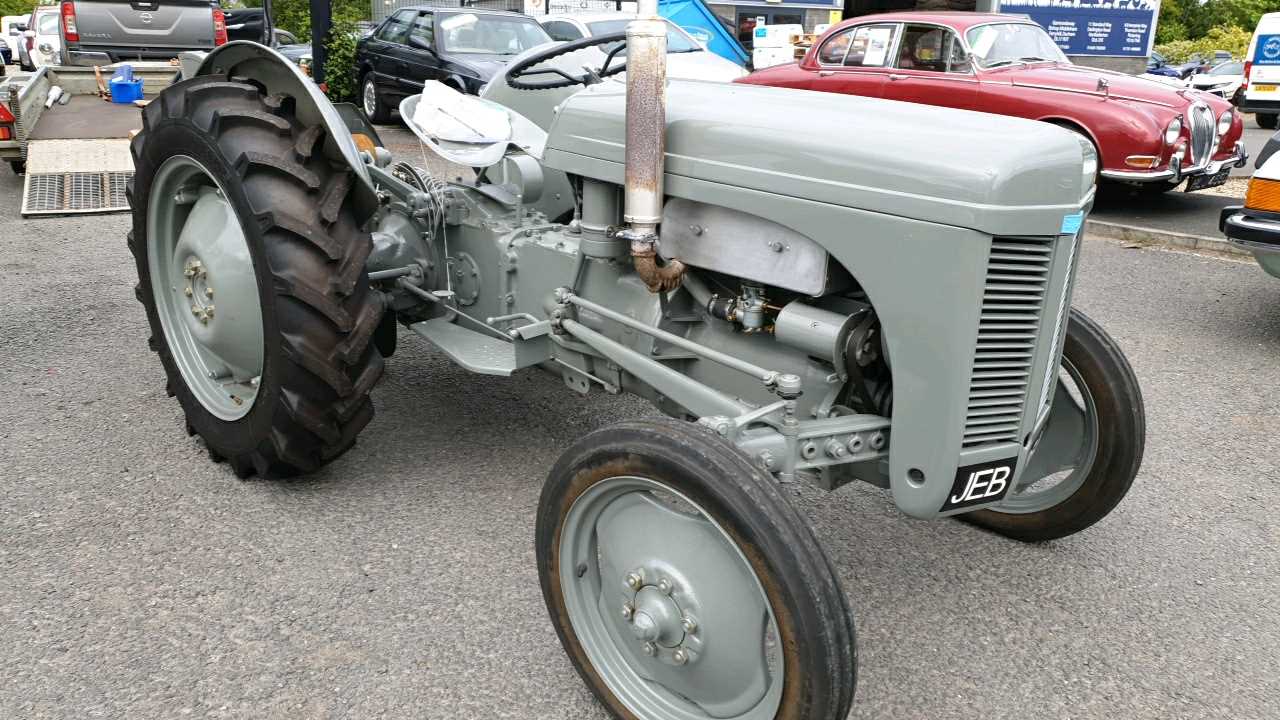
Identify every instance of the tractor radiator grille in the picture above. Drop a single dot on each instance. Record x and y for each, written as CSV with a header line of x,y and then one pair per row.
x,y
1013,302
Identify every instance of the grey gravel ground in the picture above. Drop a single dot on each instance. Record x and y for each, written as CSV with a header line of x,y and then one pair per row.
x,y
140,580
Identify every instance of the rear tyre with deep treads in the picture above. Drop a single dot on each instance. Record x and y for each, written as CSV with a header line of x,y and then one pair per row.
x,y
247,152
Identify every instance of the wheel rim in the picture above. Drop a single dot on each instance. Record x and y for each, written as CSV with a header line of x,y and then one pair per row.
x,y
370,99
205,289
666,607
1044,485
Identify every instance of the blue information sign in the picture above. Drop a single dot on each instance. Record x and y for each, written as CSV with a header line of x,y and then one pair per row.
x,y
1268,50
1122,28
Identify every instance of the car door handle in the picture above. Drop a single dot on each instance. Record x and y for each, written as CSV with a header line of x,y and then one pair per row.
x,y
895,76
826,73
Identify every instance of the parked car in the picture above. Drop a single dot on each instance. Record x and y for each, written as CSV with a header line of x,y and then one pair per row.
x,y
687,58
43,39
11,27
462,48
1261,95
1255,225
246,24
101,32
1223,80
6,56
1157,64
1145,133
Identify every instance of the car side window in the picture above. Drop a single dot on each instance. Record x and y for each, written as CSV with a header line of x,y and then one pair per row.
x,y
833,50
870,46
424,29
930,48
396,29
561,30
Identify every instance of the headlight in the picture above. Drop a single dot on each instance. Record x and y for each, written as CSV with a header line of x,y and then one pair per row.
x,y
1172,132
1224,122
1090,170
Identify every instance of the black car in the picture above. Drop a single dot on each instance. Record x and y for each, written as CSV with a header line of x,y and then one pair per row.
x,y
6,55
459,47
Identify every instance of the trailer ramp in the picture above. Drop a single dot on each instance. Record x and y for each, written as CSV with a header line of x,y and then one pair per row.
x,y
66,177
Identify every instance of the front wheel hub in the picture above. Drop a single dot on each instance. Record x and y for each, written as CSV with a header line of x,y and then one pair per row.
x,y
656,618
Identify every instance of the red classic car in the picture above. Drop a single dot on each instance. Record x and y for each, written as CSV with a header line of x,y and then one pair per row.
x,y
1145,132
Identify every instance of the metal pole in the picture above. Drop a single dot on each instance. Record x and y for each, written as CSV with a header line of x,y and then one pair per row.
x,y
321,23
268,25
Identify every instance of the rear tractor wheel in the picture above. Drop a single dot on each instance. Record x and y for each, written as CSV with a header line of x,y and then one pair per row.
x,y
684,586
250,261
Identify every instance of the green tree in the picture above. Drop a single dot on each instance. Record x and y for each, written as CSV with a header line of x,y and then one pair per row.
x,y
16,7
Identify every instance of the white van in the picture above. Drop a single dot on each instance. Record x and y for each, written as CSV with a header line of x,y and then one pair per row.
x,y
9,32
1261,94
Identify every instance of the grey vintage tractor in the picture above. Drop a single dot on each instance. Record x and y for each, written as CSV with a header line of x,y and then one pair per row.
x,y
814,288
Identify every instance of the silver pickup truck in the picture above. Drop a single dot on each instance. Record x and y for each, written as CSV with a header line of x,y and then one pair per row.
x,y
101,32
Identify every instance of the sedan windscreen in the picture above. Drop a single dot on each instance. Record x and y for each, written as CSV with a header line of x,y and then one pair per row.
x,y
1009,43
677,41
489,34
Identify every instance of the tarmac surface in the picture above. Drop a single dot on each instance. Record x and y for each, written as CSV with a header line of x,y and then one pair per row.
x,y
140,580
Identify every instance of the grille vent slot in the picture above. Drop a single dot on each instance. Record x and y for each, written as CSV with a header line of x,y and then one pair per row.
x,y
1013,302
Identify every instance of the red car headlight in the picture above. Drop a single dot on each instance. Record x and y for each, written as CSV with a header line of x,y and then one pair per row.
x,y
1224,122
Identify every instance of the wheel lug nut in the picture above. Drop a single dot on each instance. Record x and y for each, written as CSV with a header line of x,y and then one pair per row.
x,y
664,586
187,291
627,611
635,580
208,292
689,625
650,649
680,657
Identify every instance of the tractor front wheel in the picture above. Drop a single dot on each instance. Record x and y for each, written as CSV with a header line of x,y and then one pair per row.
x,y
1090,451
684,585
250,259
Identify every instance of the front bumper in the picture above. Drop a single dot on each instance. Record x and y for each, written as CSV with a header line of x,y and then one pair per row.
x,y
1258,106
1255,231
1175,172
91,56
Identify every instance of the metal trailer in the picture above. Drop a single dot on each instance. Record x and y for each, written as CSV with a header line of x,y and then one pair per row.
x,y
71,145
894,311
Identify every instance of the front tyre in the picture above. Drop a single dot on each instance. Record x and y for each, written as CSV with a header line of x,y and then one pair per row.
x,y
683,585
374,109
250,261
1091,448
1266,121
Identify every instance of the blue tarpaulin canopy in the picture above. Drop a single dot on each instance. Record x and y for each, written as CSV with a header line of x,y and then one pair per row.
x,y
698,20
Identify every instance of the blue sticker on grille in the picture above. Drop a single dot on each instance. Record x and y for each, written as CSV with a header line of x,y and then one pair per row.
x,y
1071,223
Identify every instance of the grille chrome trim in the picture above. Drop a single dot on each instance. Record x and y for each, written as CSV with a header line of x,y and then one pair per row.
x,y
1204,130
1013,303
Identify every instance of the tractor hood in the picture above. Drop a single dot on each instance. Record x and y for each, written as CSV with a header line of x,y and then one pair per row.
x,y
995,174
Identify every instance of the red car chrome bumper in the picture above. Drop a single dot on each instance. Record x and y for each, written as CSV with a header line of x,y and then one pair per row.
x,y
1175,172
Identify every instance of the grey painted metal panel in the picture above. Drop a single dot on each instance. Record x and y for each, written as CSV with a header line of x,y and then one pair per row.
x,y
1001,175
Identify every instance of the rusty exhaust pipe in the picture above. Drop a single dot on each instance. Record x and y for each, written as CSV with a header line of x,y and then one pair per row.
x,y
646,146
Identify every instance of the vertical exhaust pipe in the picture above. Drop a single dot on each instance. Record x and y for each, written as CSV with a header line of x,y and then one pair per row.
x,y
646,145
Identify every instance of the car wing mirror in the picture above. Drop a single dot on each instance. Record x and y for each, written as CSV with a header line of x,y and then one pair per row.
x,y
1272,146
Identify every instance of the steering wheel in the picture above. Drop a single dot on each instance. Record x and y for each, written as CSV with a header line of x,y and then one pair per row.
x,y
521,69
